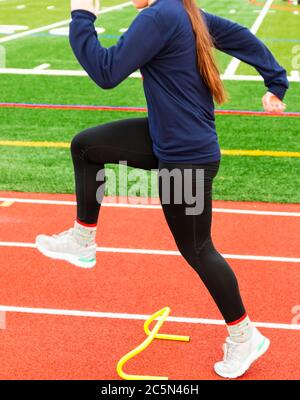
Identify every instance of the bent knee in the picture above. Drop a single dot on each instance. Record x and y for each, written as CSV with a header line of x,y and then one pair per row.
x,y
78,145
194,252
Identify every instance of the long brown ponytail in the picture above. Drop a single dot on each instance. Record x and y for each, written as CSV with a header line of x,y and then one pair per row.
x,y
205,56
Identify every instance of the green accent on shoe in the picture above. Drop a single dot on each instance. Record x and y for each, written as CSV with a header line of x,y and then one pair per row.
x,y
85,260
261,345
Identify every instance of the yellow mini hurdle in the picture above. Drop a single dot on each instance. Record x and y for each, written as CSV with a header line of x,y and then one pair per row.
x,y
152,334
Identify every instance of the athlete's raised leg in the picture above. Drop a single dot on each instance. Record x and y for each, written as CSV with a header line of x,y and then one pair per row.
x,y
126,140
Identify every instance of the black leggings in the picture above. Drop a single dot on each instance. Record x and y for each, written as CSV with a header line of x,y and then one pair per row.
x,y
129,140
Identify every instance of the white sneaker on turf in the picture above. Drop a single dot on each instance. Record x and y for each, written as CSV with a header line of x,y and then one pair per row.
x,y
238,357
64,246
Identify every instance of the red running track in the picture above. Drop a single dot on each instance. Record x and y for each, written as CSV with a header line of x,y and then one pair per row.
x,y
59,347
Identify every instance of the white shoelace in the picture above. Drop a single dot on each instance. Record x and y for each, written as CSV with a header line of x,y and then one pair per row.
x,y
68,232
230,352
80,236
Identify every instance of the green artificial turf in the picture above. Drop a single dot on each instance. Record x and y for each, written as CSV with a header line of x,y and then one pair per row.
x,y
34,169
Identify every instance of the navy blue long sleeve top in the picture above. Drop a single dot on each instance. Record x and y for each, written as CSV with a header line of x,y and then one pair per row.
x,y
161,43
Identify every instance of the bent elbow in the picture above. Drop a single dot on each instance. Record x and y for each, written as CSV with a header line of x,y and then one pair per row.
x,y
106,83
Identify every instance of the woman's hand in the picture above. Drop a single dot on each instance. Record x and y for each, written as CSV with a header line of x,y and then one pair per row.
x,y
89,5
272,103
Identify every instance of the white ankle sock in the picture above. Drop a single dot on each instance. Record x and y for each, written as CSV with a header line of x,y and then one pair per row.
x,y
84,235
241,331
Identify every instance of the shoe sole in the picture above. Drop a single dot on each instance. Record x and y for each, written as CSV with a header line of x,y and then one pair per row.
x,y
247,364
66,257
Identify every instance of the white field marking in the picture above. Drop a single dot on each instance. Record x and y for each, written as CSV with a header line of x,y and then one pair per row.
x,y
6,31
81,73
234,63
254,78
58,24
127,316
163,252
21,7
122,30
295,74
50,7
52,72
9,29
64,31
270,11
150,207
42,67
49,72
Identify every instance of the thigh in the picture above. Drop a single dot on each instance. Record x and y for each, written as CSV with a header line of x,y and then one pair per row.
x,y
190,231
125,140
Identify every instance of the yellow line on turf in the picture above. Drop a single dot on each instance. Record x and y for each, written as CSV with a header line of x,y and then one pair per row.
x,y
19,143
261,153
233,152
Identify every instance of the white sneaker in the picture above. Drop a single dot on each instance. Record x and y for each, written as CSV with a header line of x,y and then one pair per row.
x,y
65,247
238,357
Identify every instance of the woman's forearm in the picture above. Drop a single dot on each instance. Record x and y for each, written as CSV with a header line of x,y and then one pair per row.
x,y
109,66
239,42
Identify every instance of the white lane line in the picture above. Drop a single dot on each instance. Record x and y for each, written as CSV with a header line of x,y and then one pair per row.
x,y
254,212
163,252
81,73
129,316
57,24
150,207
36,201
234,63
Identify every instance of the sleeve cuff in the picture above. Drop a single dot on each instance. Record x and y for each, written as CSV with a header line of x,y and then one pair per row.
x,y
84,14
278,91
